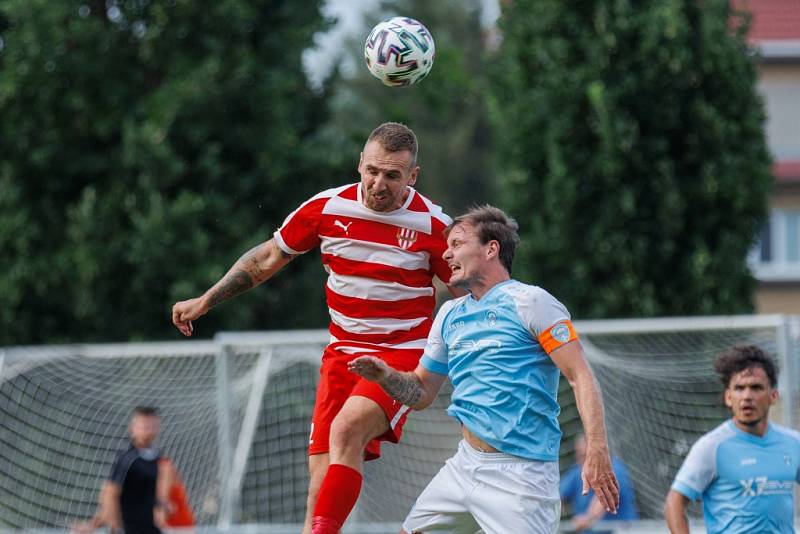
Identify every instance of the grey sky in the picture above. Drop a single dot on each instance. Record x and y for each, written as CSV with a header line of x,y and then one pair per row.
x,y
349,14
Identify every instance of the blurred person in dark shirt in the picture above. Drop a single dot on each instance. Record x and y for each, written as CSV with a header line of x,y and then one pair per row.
x,y
128,500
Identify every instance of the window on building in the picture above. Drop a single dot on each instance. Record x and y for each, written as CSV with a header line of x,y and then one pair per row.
x,y
776,257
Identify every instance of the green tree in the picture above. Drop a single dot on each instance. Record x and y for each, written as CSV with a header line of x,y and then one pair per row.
x,y
447,110
633,151
145,145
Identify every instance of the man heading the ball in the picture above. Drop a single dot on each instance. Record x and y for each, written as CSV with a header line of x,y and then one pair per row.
x,y
381,244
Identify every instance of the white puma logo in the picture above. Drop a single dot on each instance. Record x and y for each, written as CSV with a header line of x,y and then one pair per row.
x,y
340,224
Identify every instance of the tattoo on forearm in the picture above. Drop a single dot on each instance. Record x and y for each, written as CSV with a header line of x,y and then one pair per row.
x,y
236,283
254,268
403,388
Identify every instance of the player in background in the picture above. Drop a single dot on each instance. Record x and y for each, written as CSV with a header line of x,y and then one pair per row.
x,y
502,346
586,508
744,470
128,499
381,244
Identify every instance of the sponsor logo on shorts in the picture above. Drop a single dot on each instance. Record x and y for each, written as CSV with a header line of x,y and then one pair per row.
x,y
560,333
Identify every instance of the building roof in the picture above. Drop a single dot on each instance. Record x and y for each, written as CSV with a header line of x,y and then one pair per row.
x,y
787,171
773,20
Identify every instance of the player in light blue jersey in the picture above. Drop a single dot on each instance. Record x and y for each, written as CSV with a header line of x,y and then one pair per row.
x,y
503,346
745,470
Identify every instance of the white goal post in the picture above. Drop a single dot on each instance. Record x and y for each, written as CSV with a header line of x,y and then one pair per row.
x,y
236,413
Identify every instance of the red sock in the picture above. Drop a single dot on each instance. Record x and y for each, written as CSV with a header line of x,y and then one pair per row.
x,y
337,496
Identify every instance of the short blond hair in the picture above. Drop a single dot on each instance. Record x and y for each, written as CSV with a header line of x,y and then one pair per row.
x,y
395,137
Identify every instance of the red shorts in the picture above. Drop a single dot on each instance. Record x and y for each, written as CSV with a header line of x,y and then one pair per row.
x,y
337,384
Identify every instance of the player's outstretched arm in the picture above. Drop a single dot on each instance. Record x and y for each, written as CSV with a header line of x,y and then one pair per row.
x,y
675,512
108,512
597,472
257,265
593,514
164,482
416,389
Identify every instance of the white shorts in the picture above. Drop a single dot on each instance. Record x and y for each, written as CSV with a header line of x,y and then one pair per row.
x,y
493,492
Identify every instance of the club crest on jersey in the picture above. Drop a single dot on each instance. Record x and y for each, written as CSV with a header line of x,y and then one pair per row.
x,y
787,459
406,237
560,333
491,318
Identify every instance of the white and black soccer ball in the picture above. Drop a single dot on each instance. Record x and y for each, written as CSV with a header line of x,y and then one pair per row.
x,y
399,51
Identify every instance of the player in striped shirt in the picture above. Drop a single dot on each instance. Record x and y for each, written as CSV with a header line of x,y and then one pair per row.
x,y
381,244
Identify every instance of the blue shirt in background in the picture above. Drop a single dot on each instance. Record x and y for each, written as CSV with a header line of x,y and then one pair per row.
x,y
746,482
572,486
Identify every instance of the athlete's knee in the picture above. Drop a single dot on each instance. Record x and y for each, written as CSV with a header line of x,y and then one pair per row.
x,y
347,432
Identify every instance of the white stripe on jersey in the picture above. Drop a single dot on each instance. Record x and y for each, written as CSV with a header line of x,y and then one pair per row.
x,y
368,288
373,326
417,344
328,193
437,212
353,249
415,220
403,409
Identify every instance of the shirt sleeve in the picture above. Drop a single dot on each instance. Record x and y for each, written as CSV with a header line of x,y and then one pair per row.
x,y
546,318
438,265
119,469
299,233
434,358
698,470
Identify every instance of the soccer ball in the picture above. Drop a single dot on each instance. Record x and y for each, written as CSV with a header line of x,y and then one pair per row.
x,y
399,51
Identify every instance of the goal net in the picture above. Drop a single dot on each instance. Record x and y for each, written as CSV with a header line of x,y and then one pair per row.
x,y
236,413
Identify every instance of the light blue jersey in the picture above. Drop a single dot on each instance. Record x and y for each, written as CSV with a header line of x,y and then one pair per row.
x,y
504,383
746,481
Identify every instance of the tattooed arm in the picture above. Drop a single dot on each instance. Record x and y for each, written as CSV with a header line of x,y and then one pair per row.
x,y
416,389
255,266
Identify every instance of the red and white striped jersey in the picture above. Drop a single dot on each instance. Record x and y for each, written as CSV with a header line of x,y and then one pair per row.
x,y
380,265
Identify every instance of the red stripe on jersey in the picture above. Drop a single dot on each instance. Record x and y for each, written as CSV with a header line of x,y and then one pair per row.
x,y
300,229
438,244
401,336
348,230
417,204
350,193
369,231
378,271
371,309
